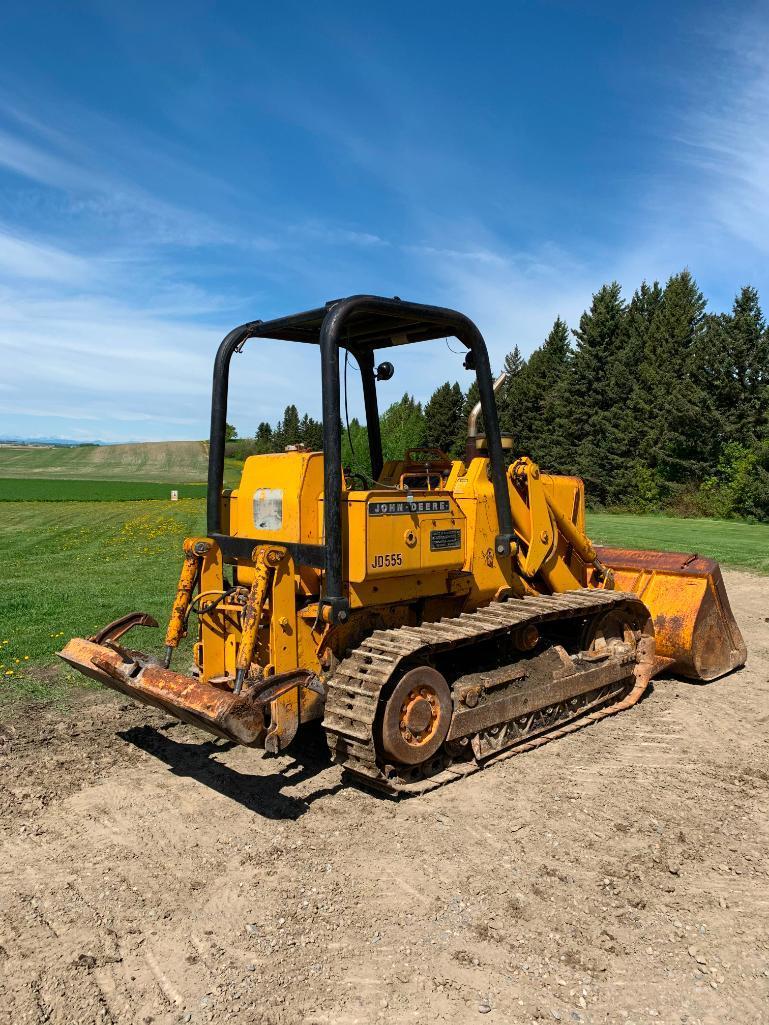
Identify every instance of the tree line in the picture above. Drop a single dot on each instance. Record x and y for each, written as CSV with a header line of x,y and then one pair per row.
x,y
655,402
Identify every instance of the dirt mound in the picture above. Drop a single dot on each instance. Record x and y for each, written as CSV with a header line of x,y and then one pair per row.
x,y
619,875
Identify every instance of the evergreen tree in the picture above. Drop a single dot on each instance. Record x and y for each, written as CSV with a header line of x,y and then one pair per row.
x,y
507,399
593,401
443,415
355,453
633,482
287,430
264,438
513,363
734,369
311,433
534,400
680,439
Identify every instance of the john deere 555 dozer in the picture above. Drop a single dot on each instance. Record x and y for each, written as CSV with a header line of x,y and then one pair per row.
x,y
436,615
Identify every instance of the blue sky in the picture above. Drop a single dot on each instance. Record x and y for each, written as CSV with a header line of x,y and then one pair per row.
x,y
170,170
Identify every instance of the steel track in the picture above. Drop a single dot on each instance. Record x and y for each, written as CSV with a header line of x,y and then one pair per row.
x,y
354,692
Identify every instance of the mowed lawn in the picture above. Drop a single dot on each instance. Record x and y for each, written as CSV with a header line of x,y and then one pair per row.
x,y
69,568
730,542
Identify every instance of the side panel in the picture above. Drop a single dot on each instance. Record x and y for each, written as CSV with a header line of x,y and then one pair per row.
x,y
392,537
278,497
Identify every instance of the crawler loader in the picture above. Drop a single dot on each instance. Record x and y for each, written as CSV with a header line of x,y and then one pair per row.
x,y
436,615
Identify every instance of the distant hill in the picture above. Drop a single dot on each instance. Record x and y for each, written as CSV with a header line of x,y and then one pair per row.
x,y
172,462
46,442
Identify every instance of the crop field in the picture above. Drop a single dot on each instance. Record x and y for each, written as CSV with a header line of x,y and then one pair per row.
x,y
163,461
97,473
17,489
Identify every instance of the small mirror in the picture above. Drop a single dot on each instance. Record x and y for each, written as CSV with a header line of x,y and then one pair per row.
x,y
384,371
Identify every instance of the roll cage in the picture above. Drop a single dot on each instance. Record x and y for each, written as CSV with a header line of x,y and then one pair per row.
x,y
361,324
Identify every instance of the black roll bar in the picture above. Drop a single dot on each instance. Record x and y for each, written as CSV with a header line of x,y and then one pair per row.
x,y
331,329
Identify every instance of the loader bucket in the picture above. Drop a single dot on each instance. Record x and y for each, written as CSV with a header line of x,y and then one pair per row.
x,y
217,710
695,629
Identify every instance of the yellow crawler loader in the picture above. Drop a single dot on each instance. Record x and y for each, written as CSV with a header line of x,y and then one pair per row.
x,y
437,615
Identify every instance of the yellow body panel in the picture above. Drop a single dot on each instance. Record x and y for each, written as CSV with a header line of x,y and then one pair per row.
x,y
278,498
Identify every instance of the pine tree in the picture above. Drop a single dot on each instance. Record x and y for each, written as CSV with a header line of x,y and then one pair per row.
x,y
513,366
513,363
287,430
355,451
311,433
471,399
443,415
634,483
734,369
534,398
264,438
680,443
592,405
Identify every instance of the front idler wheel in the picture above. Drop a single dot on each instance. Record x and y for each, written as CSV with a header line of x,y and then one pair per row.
x,y
416,717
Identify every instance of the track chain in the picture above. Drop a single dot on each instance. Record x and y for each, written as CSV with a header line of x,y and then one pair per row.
x,y
354,691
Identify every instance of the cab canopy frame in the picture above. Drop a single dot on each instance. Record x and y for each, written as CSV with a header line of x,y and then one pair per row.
x,y
361,324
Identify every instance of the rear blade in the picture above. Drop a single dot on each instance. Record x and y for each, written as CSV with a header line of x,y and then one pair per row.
x,y
694,625
217,710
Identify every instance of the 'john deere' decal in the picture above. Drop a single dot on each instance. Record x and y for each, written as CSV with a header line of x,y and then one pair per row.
x,y
427,505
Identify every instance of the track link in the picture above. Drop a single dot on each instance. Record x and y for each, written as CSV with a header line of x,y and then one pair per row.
x,y
353,694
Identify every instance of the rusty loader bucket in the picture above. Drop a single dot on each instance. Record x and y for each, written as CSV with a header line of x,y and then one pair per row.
x,y
695,629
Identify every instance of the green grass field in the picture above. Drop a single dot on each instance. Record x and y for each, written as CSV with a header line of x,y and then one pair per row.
x,y
17,489
732,543
69,568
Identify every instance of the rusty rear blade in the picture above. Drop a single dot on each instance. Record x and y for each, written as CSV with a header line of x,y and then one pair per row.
x,y
694,625
217,710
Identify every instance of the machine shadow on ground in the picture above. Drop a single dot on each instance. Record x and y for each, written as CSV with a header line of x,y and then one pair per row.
x,y
262,794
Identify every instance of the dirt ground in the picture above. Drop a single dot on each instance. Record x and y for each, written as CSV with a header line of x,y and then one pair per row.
x,y
619,875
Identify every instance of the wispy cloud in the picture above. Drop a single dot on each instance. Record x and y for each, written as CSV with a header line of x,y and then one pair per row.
x,y
27,259
32,150
724,135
